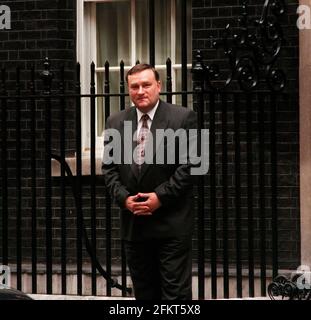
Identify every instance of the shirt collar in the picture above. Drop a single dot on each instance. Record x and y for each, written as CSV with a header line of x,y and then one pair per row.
x,y
151,113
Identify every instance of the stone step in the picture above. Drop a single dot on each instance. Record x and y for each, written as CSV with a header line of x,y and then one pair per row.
x,y
74,297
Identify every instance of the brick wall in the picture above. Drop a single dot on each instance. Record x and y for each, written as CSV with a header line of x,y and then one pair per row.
x,y
39,29
209,20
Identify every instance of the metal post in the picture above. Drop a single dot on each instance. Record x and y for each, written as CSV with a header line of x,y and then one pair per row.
x,y
33,184
93,174
47,76
198,72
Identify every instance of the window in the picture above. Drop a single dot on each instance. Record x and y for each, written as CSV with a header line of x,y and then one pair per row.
x,y
115,30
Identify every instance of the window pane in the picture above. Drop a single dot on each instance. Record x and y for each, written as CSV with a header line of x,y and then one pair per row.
x,y
142,31
114,101
162,31
189,86
178,31
113,32
162,74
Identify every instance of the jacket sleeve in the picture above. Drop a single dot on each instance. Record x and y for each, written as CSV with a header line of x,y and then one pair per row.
x,y
111,175
181,180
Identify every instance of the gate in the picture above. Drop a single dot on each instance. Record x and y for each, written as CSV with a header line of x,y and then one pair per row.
x,y
59,227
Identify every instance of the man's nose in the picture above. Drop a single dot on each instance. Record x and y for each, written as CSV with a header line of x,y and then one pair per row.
x,y
140,90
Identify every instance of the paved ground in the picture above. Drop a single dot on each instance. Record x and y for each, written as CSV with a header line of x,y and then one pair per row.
x,y
74,297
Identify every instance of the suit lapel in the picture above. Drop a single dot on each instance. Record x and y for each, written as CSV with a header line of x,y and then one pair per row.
x,y
132,118
160,121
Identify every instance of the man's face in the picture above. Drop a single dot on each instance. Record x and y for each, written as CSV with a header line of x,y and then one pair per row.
x,y
144,90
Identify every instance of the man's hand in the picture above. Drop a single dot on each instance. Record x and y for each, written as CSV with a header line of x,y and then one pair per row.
x,y
149,204
130,202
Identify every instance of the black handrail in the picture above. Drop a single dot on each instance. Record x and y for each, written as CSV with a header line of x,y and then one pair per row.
x,y
112,282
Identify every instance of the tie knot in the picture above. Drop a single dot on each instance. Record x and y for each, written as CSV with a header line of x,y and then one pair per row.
x,y
145,119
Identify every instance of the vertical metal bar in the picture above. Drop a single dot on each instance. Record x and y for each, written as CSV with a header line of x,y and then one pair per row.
x,y
108,199
33,184
123,269
274,173
169,80
79,180
47,79
237,162
198,72
4,170
93,175
201,213
63,181
213,195
262,194
123,257
151,32
122,86
250,199
184,53
225,194
18,185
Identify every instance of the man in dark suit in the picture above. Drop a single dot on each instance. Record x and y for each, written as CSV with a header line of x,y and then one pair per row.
x,y
155,197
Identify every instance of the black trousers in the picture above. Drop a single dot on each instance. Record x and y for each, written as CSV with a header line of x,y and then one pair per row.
x,y
161,269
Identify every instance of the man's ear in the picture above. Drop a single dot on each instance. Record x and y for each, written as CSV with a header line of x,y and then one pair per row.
x,y
159,84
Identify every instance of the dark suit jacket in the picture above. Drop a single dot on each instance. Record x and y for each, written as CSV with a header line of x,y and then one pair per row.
x,y
172,183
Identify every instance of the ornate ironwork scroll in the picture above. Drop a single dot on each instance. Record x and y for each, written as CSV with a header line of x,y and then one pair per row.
x,y
251,51
288,289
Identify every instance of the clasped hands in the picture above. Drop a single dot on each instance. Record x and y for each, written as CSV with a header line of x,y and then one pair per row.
x,y
143,204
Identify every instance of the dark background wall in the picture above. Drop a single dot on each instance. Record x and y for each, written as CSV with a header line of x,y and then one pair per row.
x,y
48,28
209,20
39,29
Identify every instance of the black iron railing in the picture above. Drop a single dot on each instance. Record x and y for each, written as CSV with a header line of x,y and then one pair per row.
x,y
239,190
252,80
284,288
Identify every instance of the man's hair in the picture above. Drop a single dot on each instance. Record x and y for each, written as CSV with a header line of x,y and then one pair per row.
x,y
141,67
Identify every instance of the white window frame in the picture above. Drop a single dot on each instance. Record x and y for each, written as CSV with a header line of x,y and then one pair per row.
x,y
87,52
